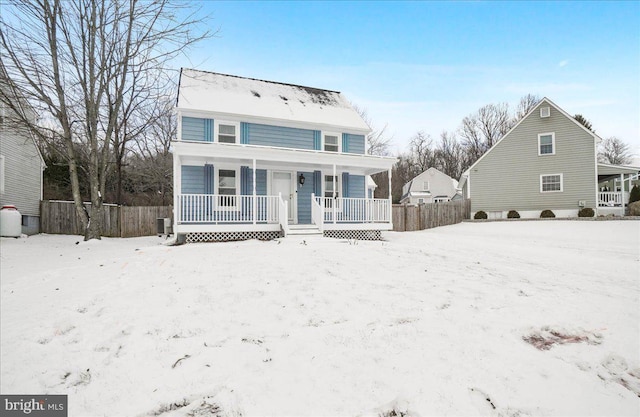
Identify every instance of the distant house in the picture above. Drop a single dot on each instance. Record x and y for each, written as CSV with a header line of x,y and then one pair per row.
x,y
260,159
548,160
21,168
432,186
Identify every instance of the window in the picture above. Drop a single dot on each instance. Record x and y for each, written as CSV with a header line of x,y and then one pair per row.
x,y
545,112
331,184
421,201
425,186
441,199
547,144
228,132
227,187
331,143
550,183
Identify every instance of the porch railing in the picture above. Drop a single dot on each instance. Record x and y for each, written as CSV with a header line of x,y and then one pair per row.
x,y
353,210
213,208
609,198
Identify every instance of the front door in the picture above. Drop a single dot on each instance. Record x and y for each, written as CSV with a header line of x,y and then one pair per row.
x,y
282,183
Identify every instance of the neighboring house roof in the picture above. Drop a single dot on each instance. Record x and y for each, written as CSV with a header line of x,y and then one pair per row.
x,y
371,184
421,176
230,94
465,174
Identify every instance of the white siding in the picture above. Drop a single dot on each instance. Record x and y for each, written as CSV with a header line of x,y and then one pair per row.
x,y
22,171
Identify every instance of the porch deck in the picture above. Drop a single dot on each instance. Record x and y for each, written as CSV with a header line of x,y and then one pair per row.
x,y
242,213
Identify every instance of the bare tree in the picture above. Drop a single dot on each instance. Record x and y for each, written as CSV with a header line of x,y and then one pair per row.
x,y
378,141
422,154
73,61
481,130
526,104
151,163
449,155
614,151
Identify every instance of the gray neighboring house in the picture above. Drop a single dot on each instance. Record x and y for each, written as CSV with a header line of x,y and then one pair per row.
x,y
432,186
21,168
548,160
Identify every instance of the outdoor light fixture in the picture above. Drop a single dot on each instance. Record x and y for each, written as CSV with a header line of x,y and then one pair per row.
x,y
301,179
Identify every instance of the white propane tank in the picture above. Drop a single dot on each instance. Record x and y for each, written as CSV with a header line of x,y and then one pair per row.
x,y
10,221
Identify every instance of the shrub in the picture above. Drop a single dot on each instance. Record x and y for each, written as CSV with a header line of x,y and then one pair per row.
x,y
480,215
586,212
547,214
634,209
634,195
512,214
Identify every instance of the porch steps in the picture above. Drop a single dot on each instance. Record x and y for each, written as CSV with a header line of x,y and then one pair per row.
x,y
303,229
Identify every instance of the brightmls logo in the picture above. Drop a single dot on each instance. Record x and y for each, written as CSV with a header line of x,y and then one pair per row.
x,y
34,405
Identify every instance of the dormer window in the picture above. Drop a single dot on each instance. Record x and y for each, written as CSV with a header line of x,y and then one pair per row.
x,y
227,132
331,142
547,143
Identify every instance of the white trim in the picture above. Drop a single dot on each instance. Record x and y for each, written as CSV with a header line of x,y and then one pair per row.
x,y
596,138
179,125
216,183
204,227
552,175
337,192
293,185
338,140
553,143
271,121
2,174
302,158
545,112
216,130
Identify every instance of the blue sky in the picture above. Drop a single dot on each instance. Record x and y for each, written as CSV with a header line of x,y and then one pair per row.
x,y
426,65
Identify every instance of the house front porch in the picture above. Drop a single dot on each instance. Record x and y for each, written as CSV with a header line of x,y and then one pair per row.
x,y
230,192
614,185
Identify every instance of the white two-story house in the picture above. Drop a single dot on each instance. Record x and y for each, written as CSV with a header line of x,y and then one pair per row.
x,y
431,186
262,159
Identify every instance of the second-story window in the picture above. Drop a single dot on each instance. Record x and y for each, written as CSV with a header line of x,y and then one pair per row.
x,y
227,133
425,186
546,144
331,143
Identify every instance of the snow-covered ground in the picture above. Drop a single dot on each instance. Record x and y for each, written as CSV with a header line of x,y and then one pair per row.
x,y
439,322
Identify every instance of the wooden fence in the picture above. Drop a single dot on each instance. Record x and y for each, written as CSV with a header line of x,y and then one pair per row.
x,y
407,218
59,217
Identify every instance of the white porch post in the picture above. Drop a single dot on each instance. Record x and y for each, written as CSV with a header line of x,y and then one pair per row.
x,y
335,186
622,204
390,198
177,190
255,203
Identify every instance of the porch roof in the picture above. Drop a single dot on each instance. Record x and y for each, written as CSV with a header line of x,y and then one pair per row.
x,y
279,158
608,169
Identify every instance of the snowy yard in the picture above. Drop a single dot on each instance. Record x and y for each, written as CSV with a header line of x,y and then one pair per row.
x,y
439,322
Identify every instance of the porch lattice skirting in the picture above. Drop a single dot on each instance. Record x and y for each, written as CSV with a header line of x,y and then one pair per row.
x,y
231,236
353,234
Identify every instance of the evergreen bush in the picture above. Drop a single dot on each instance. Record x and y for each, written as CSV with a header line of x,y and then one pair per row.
x,y
480,215
634,195
547,214
512,214
586,212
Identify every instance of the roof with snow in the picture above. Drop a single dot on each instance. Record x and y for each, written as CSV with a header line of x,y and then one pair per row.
x,y
221,93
